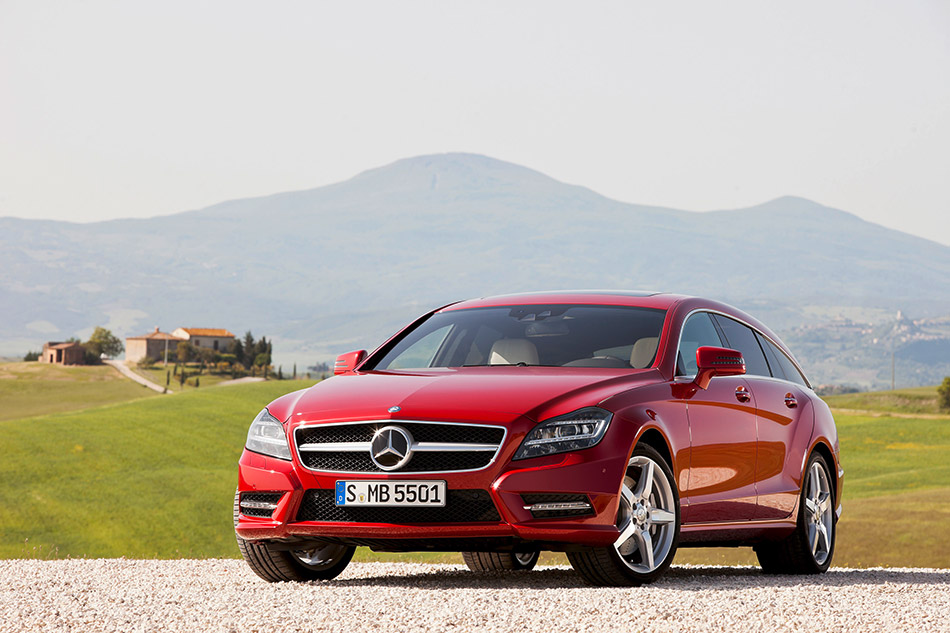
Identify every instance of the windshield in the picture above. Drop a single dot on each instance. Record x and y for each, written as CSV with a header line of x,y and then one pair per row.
x,y
531,335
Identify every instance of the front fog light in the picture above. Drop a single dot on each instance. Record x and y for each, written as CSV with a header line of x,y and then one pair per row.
x,y
572,432
266,436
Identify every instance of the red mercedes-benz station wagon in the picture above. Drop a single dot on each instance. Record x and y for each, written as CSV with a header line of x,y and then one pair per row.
x,y
613,426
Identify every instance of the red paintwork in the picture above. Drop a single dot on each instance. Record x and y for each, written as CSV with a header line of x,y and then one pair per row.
x,y
737,458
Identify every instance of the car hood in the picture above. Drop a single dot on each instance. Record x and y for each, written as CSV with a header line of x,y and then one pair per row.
x,y
488,394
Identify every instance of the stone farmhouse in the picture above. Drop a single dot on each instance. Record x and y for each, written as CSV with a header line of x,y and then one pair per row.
x,y
207,338
63,353
154,344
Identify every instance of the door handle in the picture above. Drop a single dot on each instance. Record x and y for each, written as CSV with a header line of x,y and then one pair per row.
x,y
790,401
742,394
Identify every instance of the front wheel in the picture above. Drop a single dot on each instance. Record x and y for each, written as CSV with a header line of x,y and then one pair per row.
x,y
649,522
809,549
278,564
500,561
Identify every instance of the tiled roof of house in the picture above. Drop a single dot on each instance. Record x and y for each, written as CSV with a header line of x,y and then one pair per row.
x,y
156,335
53,345
203,331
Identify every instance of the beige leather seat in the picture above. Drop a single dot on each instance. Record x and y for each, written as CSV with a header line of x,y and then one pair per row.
x,y
511,351
641,356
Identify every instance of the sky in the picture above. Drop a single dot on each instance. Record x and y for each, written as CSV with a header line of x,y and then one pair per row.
x,y
136,109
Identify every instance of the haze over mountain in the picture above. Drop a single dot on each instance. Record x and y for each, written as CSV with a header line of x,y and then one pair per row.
x,y
340,267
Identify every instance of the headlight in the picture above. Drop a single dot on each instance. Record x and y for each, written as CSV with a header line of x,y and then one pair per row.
x,y
572,432
266,436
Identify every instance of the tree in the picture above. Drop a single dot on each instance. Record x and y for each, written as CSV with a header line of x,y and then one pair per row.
x,y
295,371
102,341
237,349
943,395
249,349
32,356
185,352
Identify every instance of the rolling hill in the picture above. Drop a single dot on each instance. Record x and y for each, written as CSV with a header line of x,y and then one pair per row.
x,y
340,267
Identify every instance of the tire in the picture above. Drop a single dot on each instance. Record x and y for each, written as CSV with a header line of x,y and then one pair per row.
x,y
649,522
280,565
501,561
810,548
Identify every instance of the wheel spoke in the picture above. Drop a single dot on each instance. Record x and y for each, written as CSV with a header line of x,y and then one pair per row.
x,y
645,483
626,534
824,501
811,505
645,545
627,495
822,538
813,537
813,481
659,515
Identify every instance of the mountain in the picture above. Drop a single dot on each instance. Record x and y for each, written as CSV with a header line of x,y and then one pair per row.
x,y
340,267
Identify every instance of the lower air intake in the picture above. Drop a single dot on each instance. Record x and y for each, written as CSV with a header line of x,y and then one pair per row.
x,y
461,506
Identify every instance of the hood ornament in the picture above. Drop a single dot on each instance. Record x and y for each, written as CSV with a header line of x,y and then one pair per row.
x,y
394,409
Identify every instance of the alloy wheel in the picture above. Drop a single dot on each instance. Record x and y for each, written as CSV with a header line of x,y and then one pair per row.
x,y
819,513
647,516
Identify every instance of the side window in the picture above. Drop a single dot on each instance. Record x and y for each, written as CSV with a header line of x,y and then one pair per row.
x,y
742,338
698,331
788,367
770,356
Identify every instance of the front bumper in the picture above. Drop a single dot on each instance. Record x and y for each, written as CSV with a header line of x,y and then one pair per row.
x,y
595,472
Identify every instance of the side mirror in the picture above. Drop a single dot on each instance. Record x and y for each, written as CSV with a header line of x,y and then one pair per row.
x,y
348,362
717,361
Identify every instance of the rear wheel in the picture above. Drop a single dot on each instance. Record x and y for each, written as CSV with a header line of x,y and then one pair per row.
x,y
649,521
320,562
500,561
809,549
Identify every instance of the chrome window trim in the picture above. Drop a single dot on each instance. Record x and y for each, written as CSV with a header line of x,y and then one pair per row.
x,y
386,421
679,341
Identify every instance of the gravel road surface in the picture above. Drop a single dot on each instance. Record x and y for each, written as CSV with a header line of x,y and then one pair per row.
x,y
223,595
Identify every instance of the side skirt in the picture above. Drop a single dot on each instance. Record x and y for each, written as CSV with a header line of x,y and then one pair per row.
x,y
735,534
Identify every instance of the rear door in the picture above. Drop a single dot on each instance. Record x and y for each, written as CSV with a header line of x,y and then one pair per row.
x,y
780,407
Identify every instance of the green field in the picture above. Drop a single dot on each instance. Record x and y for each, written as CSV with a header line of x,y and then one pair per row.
x,y
154,477
917,400
30,389
159,375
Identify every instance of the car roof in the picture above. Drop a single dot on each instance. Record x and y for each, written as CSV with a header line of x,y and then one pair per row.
x,y
638,298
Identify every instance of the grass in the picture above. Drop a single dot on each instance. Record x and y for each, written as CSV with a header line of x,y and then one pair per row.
x,y
154,478
142,479
917,400
34,388
159,374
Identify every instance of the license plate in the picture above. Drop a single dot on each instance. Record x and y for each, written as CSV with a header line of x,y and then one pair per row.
x,y
390,493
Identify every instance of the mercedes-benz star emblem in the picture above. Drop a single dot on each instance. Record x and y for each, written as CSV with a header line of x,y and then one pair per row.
x,y
391,447
395,409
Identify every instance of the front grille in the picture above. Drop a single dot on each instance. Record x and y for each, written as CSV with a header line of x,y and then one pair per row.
x,y
550,497
358,460
262,497
461,506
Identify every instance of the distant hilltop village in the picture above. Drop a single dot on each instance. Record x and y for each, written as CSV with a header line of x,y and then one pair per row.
x,y
156,344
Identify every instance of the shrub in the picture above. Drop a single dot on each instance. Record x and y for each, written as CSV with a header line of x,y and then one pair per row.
x,y
943,395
